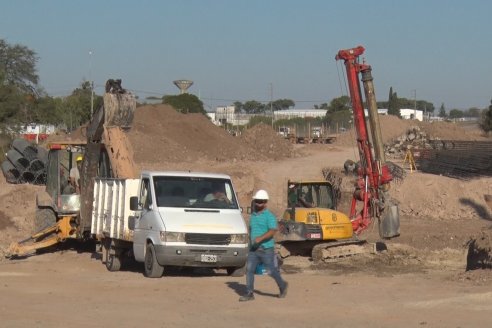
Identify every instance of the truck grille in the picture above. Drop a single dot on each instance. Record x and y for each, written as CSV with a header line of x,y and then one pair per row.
x,y
207,239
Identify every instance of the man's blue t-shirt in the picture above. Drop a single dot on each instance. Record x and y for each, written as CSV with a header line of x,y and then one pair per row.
x,y
259,224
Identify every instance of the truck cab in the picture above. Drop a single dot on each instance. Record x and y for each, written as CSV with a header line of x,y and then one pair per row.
x,y
184,219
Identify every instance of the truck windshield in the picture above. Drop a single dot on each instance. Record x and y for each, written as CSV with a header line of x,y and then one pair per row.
x,y
311,195
194,192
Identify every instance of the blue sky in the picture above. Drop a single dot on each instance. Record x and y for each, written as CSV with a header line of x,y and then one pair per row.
x,y
244,50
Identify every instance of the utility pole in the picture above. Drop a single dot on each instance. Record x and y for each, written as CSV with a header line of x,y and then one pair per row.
x,y
415,103
92,83
271,101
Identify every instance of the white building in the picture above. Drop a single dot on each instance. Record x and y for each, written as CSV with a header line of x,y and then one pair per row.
x,y
294,113
411,114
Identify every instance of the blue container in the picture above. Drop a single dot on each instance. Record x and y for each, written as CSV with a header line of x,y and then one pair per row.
x,y
260,269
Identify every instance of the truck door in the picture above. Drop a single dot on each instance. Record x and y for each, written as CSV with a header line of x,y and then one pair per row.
x,y
143,225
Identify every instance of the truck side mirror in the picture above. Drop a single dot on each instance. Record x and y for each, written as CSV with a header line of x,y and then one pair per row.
x,y
134,203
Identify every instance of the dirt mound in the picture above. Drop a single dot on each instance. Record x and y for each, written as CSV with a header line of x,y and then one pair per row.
x,y
265,142
160,134
393,127
17,214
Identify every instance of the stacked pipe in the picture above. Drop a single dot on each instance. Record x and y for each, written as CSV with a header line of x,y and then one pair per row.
x,y
25,163
458,159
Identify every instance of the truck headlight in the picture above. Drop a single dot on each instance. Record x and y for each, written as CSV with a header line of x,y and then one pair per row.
x,y
171,236
239,238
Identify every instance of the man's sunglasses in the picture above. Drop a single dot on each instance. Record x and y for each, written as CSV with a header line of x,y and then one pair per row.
x,y
260,201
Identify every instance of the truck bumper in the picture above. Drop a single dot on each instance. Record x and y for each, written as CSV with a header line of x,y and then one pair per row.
x,y
194,256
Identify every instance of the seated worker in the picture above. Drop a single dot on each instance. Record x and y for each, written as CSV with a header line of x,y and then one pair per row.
x,y
74,177
296,199
292,196
65,187
217,194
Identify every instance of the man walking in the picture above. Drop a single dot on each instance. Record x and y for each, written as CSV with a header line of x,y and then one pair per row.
x,y
262,226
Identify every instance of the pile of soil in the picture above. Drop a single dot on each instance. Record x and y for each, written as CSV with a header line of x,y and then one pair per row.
x,y
265,143
18,204
393,127
160,134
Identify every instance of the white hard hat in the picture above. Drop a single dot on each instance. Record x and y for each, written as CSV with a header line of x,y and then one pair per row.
x,y
261,194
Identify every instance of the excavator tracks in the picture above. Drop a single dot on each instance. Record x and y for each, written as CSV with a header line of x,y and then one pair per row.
x,y
336,250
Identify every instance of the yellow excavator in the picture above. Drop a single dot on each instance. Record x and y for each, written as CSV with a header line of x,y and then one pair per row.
x,y
63,211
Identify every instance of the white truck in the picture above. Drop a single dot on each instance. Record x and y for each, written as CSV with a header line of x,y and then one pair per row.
x,y
183,219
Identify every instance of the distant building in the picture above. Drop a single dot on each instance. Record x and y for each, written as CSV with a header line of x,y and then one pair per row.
x,y
302,113
411,114
227,115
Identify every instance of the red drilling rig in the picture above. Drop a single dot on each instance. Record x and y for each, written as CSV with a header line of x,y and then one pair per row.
x,y
374,173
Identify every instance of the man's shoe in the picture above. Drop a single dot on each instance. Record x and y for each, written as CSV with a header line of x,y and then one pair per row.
x,y
283,291
247,297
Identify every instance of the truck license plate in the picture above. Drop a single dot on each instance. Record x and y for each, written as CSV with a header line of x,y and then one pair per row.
x,y
209,258
315,235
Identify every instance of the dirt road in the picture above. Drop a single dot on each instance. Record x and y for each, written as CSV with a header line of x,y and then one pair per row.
x,y
70,289
420,281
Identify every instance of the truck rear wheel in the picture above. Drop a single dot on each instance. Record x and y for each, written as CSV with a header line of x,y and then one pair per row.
x,y
45,218
152,268
113,262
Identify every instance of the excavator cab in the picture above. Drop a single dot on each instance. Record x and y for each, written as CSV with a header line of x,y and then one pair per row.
x,y
311,213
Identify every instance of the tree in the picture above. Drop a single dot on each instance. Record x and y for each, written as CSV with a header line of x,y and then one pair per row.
x,y
185,103
253,107
18,66
486,122
281,104
321,106
473,112
238,106
339,104
18,81
456,113
78,104
393,105
442,111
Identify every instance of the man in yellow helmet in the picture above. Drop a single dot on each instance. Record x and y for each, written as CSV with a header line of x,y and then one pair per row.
x,y
75,174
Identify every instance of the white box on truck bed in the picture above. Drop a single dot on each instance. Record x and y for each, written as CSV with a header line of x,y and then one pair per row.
x,y
111,208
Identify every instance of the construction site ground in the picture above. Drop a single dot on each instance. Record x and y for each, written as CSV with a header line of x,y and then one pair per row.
x,y
419,281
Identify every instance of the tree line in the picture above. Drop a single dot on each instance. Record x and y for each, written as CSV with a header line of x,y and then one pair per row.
x,y
24,101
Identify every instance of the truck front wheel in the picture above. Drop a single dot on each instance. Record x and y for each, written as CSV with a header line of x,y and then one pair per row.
x,y
152,268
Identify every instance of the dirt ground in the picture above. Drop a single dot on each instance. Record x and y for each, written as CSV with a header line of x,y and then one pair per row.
x,y
419,281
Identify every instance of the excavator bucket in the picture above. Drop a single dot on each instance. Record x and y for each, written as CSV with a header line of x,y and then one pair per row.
x,y
119,109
